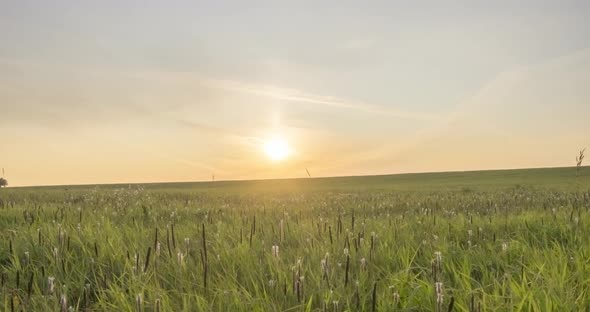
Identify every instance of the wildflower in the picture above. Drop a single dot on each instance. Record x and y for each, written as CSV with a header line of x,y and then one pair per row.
x,y
158,248
158,304
180,258
50,284
396,297
439,293
63,303
346,251
363,264
504,247
139,302
275,251
438,287
440,298
438,256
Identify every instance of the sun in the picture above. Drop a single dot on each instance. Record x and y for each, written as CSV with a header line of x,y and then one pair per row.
x,y
277,149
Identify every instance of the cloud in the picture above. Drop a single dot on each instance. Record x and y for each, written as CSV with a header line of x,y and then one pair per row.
x,y
527,116
298,96
61,95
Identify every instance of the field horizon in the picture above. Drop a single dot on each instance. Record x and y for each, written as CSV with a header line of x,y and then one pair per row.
x,y
551,177
452,241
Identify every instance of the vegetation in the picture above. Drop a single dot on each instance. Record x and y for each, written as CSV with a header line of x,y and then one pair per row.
x,y
3,182
579,160
481,241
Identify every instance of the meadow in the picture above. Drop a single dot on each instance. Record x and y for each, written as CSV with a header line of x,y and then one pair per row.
x,y
511,240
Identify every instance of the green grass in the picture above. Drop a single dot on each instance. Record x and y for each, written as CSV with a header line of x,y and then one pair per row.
x,y
490,180
510,240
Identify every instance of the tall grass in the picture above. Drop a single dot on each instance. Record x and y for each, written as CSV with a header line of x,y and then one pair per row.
x,y
372,250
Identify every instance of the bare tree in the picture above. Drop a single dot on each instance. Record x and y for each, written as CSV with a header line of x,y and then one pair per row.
x,y
579,160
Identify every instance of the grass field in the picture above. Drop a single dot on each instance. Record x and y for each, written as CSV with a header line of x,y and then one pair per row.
x,y
510,240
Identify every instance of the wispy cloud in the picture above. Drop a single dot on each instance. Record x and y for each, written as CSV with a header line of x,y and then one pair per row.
x,y
268,91
287,94
294,95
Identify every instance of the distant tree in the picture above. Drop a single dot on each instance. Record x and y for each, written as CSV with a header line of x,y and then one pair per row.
x,y
3,182
579,160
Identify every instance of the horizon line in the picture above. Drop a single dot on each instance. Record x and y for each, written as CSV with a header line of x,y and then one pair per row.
x,y
288,178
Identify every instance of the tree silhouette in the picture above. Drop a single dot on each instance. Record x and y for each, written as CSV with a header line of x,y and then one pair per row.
x,y
579,160
3,182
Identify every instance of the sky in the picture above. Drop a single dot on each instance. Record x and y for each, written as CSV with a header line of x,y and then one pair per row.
x,y
160,91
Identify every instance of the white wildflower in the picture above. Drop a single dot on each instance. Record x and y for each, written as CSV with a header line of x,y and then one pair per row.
x,y
50,284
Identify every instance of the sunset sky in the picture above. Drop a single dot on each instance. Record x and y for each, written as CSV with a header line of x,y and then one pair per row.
x,y
156,91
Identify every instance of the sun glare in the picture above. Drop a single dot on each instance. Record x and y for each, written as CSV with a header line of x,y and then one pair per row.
x,y
276,149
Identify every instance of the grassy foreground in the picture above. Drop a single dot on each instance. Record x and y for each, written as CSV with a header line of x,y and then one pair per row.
x,y
479,241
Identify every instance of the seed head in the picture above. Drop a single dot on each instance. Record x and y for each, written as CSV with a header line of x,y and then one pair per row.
x,y
180,258
50,284
158,248
63,303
